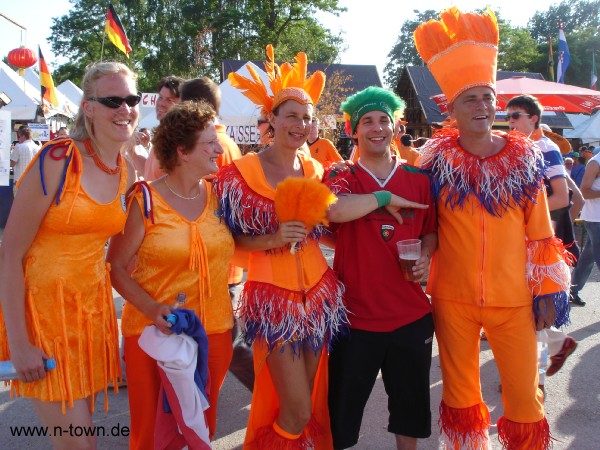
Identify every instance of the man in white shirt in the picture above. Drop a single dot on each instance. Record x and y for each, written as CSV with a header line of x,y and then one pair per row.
x,y
22,153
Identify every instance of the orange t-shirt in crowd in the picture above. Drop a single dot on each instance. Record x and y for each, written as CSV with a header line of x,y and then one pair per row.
x,y
324,151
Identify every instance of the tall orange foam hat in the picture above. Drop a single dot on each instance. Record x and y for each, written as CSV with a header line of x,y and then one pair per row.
x,y
286,82
460,50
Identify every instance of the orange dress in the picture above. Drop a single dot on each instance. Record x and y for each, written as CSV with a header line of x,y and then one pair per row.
x,y
289,299
68,295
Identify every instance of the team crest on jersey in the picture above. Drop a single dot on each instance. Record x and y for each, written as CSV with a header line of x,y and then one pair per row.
x,y
387,232
124,202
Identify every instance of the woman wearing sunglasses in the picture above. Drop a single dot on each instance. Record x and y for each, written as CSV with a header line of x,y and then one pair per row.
x,y
180,245
55,292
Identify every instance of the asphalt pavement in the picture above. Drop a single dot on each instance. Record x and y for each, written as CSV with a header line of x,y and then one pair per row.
x,y
572,403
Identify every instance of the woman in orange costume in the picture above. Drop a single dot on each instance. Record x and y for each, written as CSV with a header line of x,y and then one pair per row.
x,y
54,286
291,307
178,209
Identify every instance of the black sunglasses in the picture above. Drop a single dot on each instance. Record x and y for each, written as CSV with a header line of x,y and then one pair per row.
x,y
515,115
116,102
261,122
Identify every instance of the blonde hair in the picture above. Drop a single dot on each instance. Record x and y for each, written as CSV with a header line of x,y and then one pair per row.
x,y
83,127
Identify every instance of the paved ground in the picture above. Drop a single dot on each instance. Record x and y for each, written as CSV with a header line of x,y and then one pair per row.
x,y
573,399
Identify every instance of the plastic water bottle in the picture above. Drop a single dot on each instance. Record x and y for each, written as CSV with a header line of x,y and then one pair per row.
x,y
8,372
542,358
179,303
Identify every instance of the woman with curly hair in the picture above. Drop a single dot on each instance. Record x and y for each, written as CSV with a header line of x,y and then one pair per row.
x,y
179,245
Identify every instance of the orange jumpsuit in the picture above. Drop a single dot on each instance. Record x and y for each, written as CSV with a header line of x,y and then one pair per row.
x,y
289,299
68,296
496,257
196,262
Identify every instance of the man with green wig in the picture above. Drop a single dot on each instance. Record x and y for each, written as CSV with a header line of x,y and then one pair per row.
x,y
391,326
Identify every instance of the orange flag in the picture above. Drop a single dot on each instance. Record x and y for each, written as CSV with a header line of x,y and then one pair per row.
x,y
46,83
115,31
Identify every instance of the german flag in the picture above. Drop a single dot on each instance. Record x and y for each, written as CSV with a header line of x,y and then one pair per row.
x,y
46,83
116,32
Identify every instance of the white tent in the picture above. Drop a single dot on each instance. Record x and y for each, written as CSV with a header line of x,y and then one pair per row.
x,y
588,131
147,118
66,106
25,98
71,91
237,112
236,109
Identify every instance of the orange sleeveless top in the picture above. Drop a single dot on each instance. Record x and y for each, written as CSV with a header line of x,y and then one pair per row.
x,y
179,255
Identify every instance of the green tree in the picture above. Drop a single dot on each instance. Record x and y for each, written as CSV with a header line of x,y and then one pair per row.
x,y
404,52
189,38
574,14
516,49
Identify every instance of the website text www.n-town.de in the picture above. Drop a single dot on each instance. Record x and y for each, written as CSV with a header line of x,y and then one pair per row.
x,y
71,430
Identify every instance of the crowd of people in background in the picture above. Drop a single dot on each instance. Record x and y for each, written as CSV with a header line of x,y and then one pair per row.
x,y
186,215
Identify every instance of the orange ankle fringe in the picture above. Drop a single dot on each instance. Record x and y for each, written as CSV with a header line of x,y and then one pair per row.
x,y
465,427
524,436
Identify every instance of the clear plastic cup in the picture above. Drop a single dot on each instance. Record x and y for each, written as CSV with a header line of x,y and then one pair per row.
x,y
409,251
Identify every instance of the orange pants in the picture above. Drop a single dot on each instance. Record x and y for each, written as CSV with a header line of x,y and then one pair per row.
x,y
511,334
143,385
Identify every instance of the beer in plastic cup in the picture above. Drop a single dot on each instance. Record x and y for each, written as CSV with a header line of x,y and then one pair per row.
x,y
409,251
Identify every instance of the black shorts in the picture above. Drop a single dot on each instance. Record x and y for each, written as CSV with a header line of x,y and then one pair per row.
x,y
404,358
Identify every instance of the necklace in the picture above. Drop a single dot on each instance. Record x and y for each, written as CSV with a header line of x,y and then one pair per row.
x,y
178,195
99,163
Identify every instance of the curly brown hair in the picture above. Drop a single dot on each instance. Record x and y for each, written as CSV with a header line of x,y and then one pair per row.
x,y
180,128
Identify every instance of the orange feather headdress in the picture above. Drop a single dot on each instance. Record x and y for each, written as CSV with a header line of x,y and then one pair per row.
x,y
460,50
287,82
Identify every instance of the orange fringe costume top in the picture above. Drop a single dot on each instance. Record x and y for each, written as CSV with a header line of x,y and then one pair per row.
x,y
182,255
69,304
288,298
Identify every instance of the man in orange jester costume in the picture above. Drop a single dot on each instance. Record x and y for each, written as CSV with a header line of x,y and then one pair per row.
x,y
498,265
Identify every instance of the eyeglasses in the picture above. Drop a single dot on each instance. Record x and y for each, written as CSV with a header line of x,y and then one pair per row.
x,y
116,102
515,115
261,122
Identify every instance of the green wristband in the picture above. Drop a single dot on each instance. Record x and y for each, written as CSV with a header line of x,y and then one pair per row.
x,y
383,198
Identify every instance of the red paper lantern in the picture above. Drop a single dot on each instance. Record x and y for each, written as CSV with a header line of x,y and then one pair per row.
x,y
22,58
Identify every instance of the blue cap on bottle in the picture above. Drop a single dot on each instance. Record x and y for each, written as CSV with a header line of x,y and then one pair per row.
x,y
172,319
49,364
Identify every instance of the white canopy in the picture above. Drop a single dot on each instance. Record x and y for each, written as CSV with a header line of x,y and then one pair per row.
x,y
236,108
66,106
71,91
237,112
588,130
25,98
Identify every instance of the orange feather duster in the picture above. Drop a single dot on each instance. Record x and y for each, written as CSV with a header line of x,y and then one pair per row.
x,y
304,200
